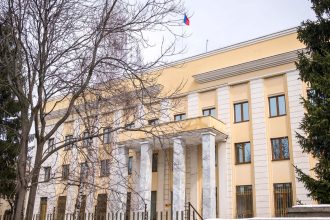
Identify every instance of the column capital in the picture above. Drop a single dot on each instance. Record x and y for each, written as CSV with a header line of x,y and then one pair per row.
x,y
177,138
144,142
208,133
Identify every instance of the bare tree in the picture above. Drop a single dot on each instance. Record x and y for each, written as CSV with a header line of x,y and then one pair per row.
x,y
69,47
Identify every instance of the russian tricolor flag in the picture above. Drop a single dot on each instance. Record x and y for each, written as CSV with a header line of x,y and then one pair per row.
x,y
186,20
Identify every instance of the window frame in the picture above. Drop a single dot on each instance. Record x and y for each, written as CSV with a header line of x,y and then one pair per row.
x,y
130,125
282,197
106,132
236,152
67,141
83,165
153,122
277,106
281,148
130,165
242,112
87,140
107,168
47,173
209,110
51,144
247,189
182,116
154,162
65,167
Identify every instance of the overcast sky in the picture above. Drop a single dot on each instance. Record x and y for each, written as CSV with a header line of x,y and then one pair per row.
x,y
225,22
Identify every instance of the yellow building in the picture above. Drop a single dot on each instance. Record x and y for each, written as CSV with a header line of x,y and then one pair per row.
x,y
234,145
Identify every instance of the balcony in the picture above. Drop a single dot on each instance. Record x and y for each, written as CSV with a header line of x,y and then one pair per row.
x,y
189,129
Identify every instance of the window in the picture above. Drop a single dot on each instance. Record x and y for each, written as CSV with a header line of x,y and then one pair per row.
x,y
101,206
153,213
154,162
243,152
209,112
130,165
68,139
65,171
83,170
179,117
46,174
61,203
87,140
106,136
130,125
105,171
51,144
244,201
277,106
280,148
282,198
241,112
128,205
153,122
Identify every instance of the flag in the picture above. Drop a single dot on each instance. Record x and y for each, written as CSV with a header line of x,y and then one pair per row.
x,y
186,20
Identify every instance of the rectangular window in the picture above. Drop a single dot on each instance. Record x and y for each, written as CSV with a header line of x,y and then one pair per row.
x,y
87,140
241,112
154,162
68,142
47,174
282,198
128,205
51,144
209,112
61,203
280,148
277,106
65,171
244,201
101,207
153,213
106,135
153,122
179,117
243,152
84,170
105,169
130,125
130,165
43,208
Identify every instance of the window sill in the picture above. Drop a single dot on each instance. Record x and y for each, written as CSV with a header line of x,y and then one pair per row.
x,y
243,163
276,116
280,159
238,122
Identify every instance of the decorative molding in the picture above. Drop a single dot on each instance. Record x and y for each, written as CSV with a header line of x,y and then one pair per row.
x,y
251,66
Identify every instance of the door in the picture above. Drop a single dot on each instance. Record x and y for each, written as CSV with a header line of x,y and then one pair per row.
x,y
153,205
43,208
61,203
101,207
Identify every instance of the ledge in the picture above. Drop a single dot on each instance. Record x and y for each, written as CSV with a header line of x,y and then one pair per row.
x,y
255,65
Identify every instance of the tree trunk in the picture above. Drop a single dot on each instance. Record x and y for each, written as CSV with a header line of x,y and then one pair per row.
x,y
32,194
19,209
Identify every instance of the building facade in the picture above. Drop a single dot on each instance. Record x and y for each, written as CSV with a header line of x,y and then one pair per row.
x,y
231,154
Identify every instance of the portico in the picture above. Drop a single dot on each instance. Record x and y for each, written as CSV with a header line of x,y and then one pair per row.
x,y
182,139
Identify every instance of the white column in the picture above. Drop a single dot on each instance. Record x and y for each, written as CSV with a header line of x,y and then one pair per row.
x,y
119,180
145,174
224,155
296,111
193,105
179,176
261,171
208,145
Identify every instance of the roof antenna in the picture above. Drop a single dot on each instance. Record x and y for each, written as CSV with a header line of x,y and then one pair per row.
x,y
207,41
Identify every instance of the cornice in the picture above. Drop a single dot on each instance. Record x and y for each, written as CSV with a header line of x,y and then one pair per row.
x,y
228,48
255,65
